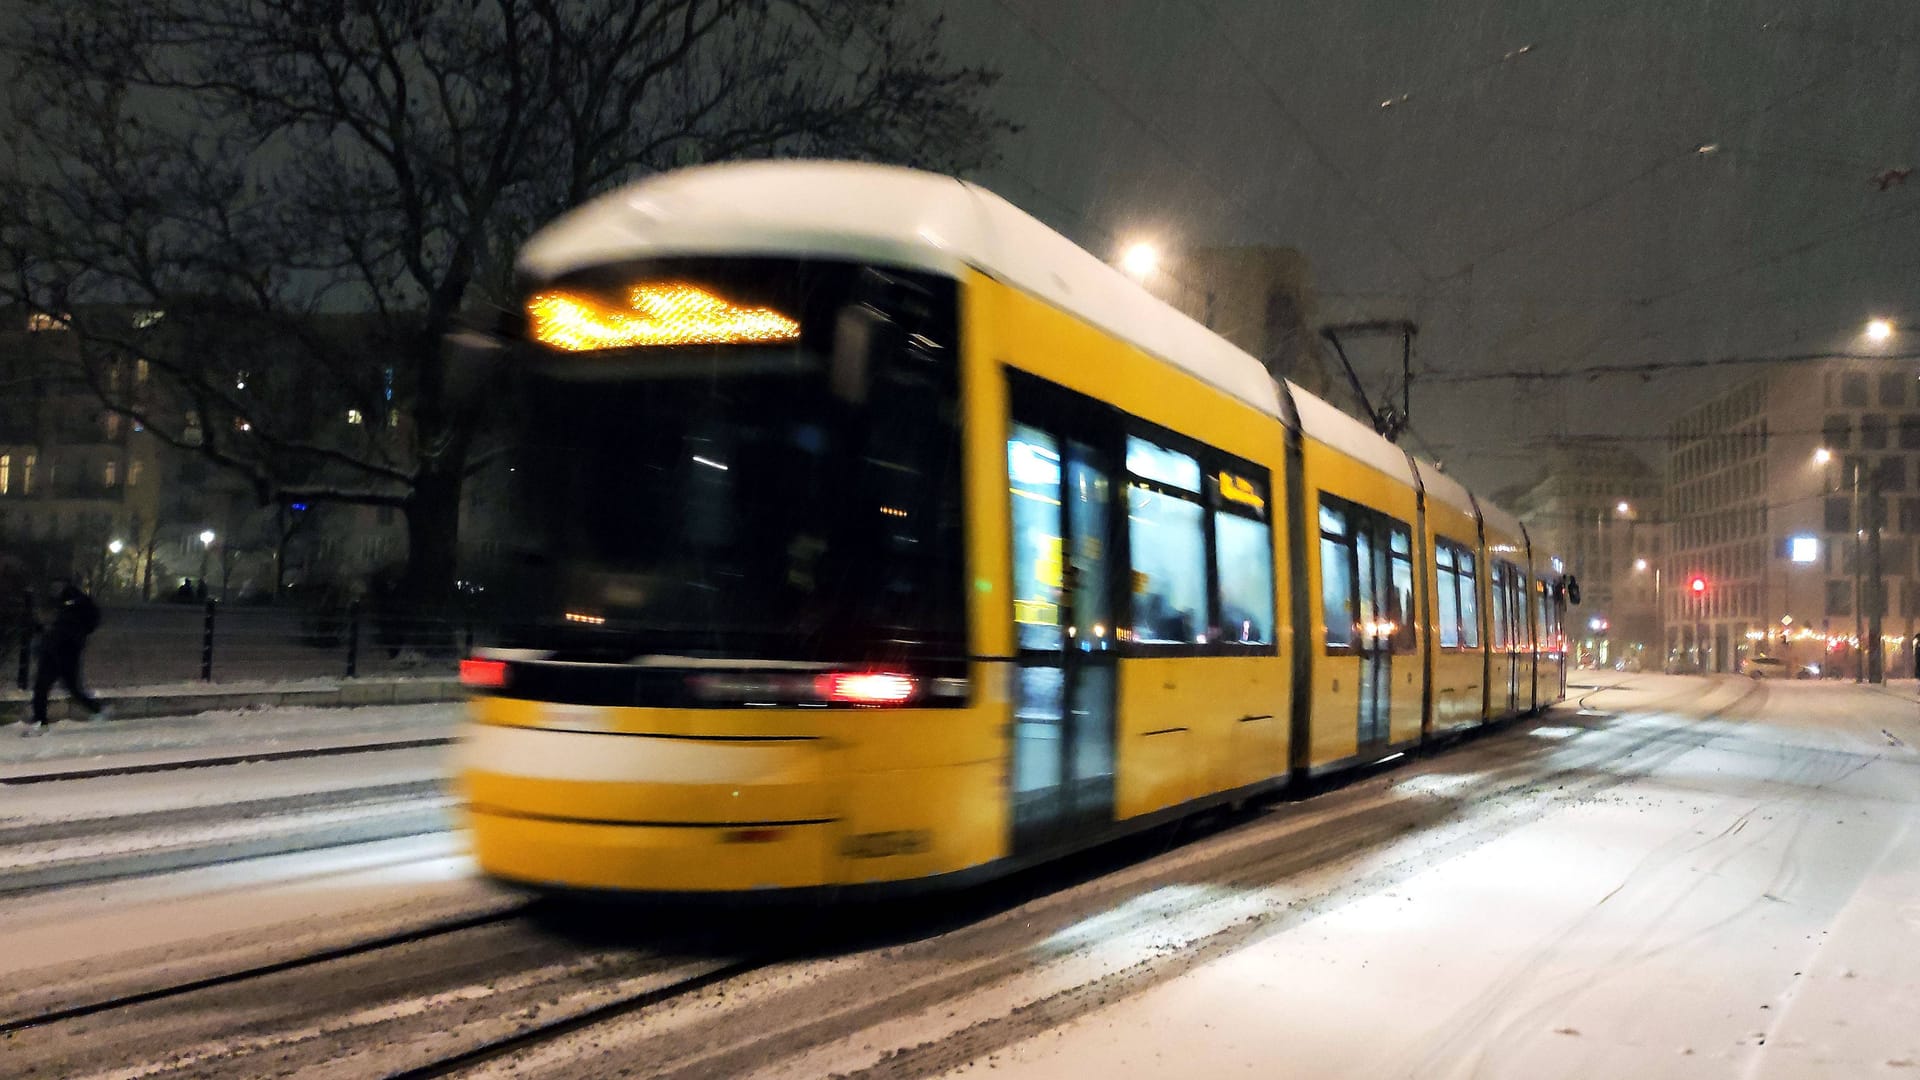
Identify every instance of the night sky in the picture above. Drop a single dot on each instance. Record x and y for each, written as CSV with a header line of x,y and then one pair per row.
x,y
1533,210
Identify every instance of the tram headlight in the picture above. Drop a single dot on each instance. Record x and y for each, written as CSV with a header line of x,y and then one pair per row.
x,y
483,674
866,688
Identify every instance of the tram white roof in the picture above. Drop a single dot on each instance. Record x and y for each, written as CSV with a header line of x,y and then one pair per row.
x,y
1320,420
1445,489
893,216
1499,521
924,221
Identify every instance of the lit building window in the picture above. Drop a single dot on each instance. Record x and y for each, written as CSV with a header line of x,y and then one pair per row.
x,y
110,475
6,472
355,416
41,320
141,369
113,425
144,319
26,474
133,473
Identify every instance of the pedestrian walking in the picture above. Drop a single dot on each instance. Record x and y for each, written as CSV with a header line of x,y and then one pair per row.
x,y
75,618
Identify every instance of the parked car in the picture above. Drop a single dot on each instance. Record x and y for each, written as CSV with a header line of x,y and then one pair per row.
x,y
1765,667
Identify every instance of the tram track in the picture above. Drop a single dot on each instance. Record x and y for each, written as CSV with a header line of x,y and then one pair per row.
x,y
59,853
434,996
249,757
441,928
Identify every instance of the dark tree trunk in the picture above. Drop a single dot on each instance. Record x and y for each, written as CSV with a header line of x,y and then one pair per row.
x,y
433,536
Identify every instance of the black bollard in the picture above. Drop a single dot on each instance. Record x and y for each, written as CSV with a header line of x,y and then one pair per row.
x,y
353,639
206,645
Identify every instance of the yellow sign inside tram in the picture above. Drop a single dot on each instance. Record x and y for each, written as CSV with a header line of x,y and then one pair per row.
x,y
656,313
1241,490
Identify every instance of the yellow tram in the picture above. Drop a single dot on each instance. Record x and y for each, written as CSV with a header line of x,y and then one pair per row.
x,y
876,534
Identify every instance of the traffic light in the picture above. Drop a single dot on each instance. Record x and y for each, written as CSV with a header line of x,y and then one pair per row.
x,y
1697,584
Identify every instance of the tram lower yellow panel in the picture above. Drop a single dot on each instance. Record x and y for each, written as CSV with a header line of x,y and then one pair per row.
x,y
766,799
1336,709
1182,722
1507,695
593,855
1403,706
920,822
1459,688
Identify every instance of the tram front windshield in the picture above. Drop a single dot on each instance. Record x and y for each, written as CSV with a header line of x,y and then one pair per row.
x,y
796,498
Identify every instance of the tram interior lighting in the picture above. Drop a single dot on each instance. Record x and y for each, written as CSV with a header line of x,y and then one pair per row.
x,y
484,674
655,314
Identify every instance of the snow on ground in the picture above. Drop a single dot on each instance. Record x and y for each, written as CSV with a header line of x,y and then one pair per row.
x,y
192,920
87,744
148,793
1749,907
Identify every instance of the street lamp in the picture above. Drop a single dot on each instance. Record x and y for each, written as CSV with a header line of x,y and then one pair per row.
x,y
1623,508
1879,329
115,547
206,543
1822,455
1140,260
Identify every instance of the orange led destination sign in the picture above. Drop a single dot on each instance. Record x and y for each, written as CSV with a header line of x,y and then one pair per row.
x,y
656,313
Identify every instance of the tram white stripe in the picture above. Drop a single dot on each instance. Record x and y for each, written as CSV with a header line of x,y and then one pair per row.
x,y
547,754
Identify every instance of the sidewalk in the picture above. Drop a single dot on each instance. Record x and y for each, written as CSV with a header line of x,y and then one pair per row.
x,y
176,699
159,741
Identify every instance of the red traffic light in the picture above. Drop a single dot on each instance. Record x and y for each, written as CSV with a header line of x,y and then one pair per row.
x,y
1697,584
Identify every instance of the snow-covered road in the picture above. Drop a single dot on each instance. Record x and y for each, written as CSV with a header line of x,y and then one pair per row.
x,y
1689,877
1750,907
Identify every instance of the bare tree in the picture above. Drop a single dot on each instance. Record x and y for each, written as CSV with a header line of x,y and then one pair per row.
x,y
282,206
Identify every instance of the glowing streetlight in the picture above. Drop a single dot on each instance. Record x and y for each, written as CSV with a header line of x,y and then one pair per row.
x,y
206,545
115,547
1640,566
1622,507
1879,329
1140,260
1822,456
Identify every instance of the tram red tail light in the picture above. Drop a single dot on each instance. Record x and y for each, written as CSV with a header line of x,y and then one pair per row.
x,y
865,688
483,674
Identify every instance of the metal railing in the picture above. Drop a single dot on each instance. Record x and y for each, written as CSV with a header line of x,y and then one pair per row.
x,y
205,641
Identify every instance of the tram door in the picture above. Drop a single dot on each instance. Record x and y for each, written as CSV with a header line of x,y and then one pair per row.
x,y
1061,487
1506,637
1374,644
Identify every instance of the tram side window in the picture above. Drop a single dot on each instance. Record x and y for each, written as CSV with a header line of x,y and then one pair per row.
x,y
1459,602
1469,601
1403,612
1446,578
1166,529
1336,577
1243,552
1501,635
1517,597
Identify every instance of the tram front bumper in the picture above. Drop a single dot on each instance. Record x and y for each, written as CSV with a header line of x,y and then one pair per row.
x,y
563,854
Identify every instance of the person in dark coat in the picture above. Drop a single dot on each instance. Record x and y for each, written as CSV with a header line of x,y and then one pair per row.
x,y
75,618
